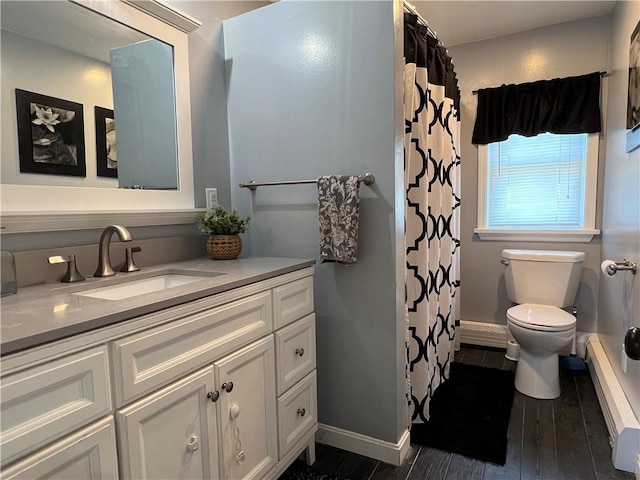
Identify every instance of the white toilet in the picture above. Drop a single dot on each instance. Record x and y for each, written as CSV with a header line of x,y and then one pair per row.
x,y
541,282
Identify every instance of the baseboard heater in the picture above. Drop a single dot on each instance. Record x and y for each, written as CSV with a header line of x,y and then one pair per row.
x,y
483,333
623,426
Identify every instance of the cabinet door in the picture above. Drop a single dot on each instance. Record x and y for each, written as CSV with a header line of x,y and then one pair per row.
x,y
172,433
89,454
247,411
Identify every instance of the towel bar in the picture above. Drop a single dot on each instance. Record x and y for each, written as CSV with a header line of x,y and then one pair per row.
x,y
367,178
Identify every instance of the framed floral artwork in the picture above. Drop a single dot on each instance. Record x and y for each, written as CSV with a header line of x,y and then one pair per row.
x,y
50,135
633,92
106,148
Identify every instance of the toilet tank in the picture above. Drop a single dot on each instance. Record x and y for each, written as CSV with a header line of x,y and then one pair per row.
x,y
545,277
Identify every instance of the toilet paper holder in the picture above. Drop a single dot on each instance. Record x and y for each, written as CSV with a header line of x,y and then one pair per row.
x,y
625,264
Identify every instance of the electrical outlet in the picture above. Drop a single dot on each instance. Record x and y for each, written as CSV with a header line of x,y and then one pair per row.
x,y
212,198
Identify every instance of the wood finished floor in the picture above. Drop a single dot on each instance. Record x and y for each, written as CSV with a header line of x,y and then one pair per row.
x,y
562,439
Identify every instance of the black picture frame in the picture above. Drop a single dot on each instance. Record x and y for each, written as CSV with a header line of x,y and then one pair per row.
x,y
50,135
106,151
633,92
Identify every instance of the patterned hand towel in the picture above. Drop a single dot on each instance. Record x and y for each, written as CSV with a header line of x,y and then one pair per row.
x,y
338,202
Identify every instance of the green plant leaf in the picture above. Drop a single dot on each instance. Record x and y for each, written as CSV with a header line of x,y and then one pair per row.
x,y
222,222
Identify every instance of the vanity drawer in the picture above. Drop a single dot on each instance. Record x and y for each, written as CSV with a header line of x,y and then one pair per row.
x,y
86,454
295,352
43,403
292,301
297,413
153,358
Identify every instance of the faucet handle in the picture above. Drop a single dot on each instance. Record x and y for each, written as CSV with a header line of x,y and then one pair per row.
x,y
72,275
129,264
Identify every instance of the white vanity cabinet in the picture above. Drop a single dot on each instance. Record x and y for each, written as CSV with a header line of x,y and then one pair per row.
x,y
217,423
223,387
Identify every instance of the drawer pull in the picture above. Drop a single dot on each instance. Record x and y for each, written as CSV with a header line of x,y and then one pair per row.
x,y
193,444
213,396
300,351
227,386
302,412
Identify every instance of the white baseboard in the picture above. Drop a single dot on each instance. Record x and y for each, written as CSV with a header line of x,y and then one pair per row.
x,y
387,452
497,335
623,426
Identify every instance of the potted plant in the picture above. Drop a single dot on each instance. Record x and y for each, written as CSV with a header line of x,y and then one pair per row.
x,y
224,229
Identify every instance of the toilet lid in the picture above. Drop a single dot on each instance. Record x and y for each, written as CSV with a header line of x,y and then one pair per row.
x,y
541,317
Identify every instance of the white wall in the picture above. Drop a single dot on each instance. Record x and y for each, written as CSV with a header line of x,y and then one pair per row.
x,y
568,49
45,69
311,92
619,296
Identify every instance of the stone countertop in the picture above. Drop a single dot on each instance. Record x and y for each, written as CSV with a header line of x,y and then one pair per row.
x,y
48,312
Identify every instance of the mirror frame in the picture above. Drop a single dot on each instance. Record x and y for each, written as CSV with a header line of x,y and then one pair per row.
x,y
87,207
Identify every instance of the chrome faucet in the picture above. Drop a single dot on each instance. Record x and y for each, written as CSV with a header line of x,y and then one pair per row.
x,y
104,258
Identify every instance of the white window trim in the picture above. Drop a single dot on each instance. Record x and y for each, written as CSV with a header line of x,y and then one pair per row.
x,y
583,235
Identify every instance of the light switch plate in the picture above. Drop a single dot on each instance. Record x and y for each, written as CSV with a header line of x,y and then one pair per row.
x,y
212,198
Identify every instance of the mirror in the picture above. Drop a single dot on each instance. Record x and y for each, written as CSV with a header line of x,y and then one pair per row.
x,y
93,43
71,53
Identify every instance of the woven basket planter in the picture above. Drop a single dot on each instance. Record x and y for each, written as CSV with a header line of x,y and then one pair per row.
x,y
224,247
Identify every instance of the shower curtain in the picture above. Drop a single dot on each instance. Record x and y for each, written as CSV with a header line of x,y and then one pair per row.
x,y
432,212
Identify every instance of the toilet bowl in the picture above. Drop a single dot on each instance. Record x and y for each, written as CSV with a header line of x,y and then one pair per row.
x,y
541,282
541,331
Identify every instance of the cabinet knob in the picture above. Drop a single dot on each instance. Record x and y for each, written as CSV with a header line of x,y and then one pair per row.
x,y
193,444
302,412
300,351
234,411
227,386
213,396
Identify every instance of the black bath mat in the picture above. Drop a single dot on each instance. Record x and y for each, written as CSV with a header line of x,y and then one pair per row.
x,y
470,413
301,471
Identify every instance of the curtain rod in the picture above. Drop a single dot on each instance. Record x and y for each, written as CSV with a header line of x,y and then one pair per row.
x,y
367,178
602,74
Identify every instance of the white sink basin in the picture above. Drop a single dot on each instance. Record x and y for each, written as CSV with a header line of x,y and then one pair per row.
x,y
133,288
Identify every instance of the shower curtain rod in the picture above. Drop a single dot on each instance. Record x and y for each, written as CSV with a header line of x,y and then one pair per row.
x,y
602,74
411,9
367,178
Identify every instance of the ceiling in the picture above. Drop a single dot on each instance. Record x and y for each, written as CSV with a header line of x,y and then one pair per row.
x,y
457,22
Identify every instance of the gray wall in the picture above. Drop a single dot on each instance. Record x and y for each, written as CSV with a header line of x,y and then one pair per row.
x,y
311,92
559,51
619,296
208,94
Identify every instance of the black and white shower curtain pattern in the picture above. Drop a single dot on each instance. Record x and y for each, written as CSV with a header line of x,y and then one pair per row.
x,y
432,219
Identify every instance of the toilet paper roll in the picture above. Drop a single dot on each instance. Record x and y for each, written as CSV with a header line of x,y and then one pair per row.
x,y
604,266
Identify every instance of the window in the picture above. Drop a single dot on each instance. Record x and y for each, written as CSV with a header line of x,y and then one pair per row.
x,y
538,188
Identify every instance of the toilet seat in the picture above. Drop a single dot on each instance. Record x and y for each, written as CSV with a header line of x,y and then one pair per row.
x,y
541,317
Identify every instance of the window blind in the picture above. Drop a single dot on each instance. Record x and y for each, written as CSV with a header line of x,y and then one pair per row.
x,y
537,182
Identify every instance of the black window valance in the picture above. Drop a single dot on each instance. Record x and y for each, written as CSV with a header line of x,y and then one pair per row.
x,y
562,105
